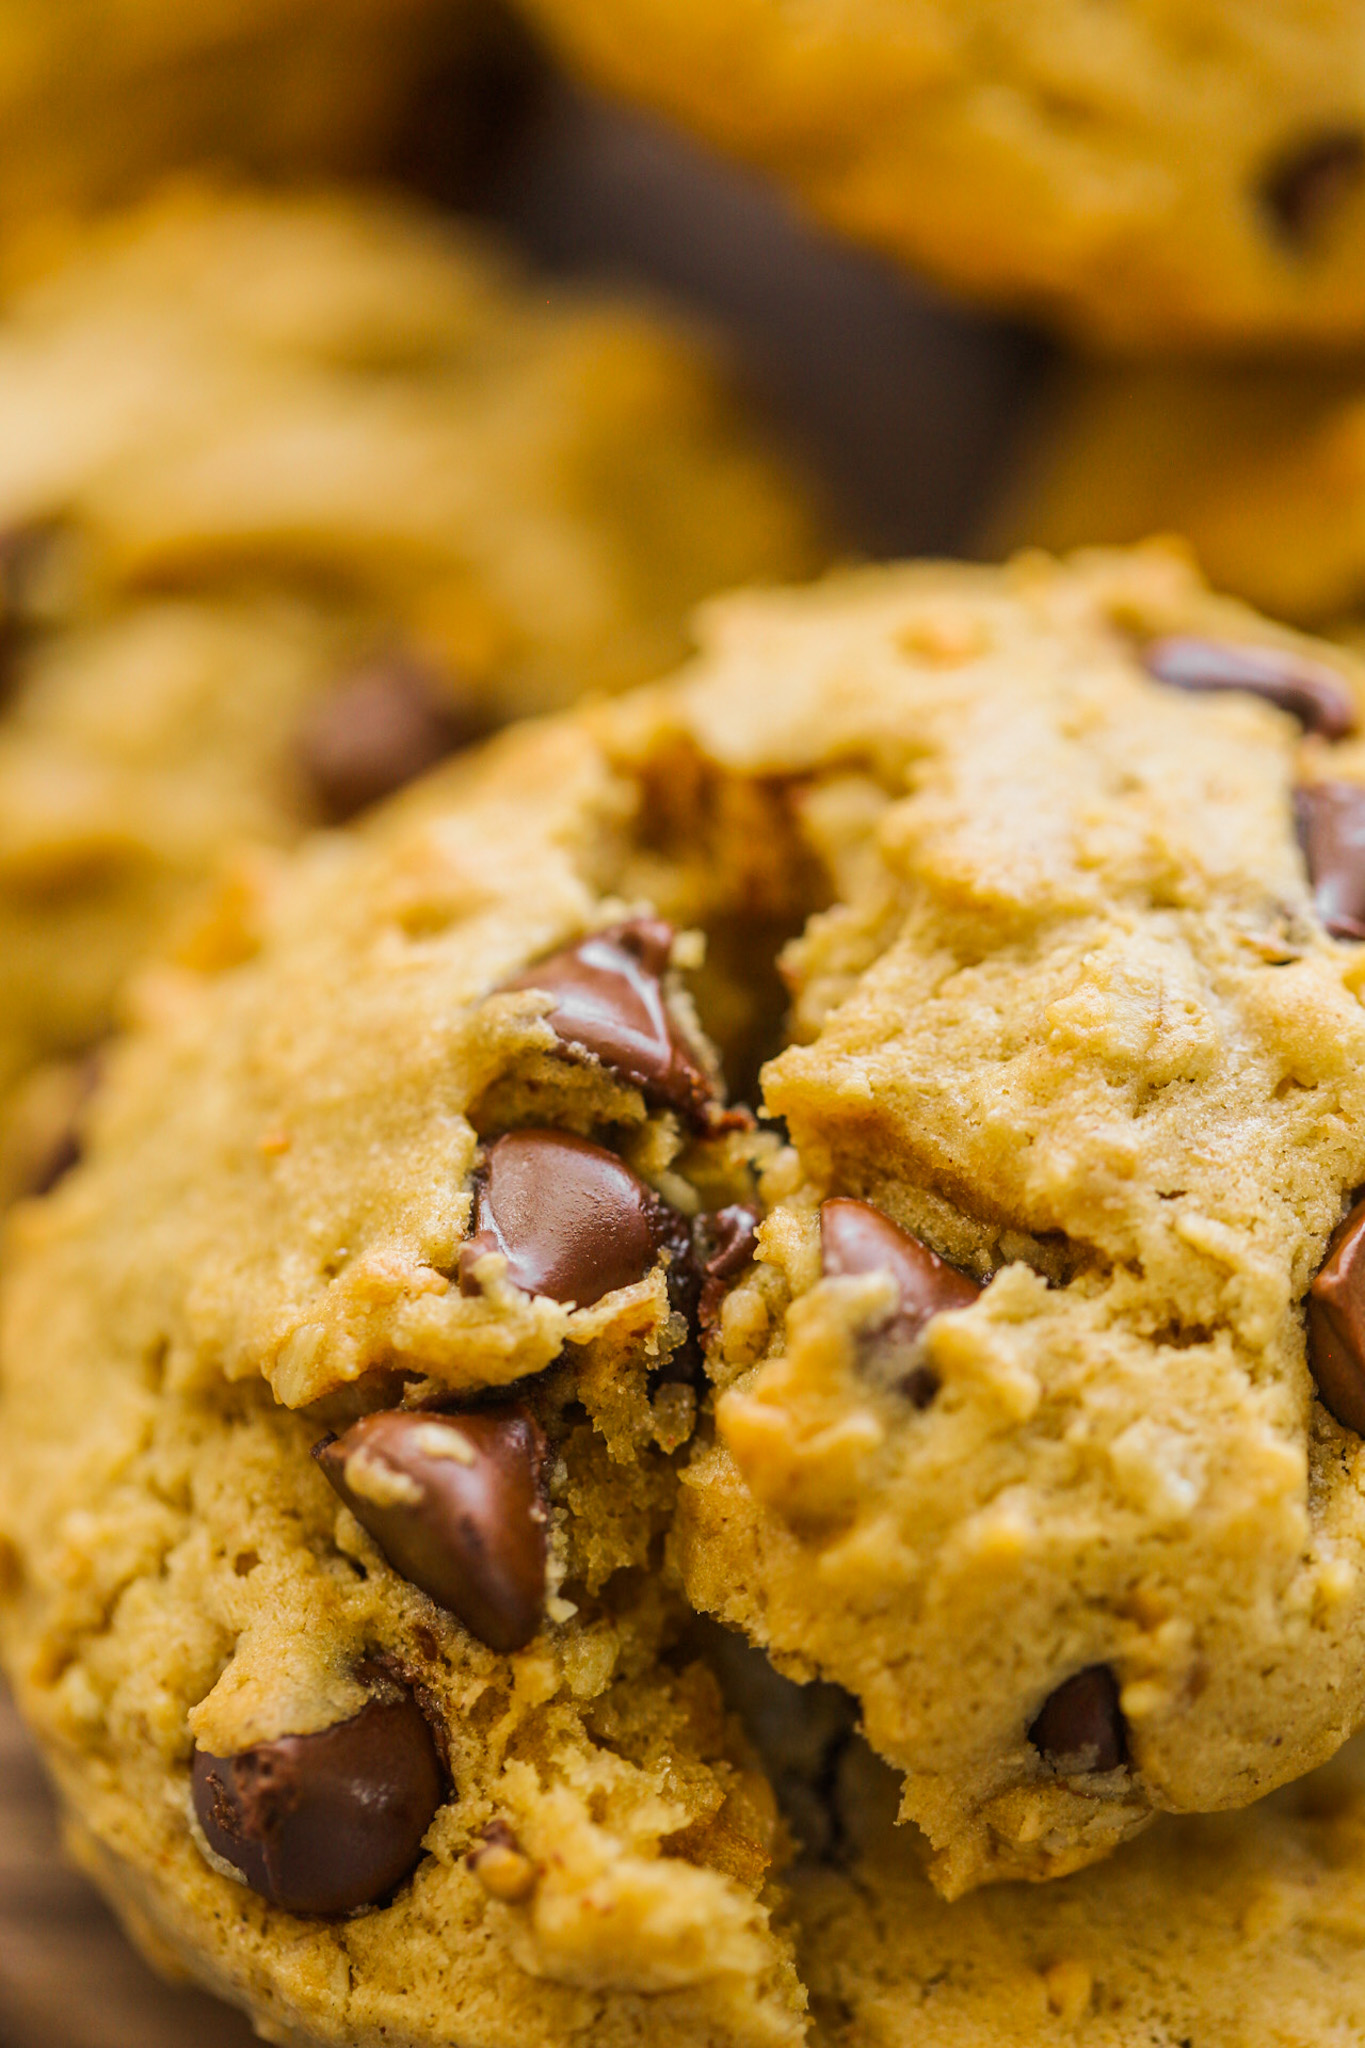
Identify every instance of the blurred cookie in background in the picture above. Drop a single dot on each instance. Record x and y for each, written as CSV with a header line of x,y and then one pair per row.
x,y
1262,468
296,497
1141,177
97,96
908,404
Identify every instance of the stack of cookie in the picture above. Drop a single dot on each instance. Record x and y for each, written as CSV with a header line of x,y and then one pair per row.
x,y
693,1374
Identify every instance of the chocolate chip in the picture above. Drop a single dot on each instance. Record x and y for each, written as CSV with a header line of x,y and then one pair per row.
x,y
1307,184
1081,1727
570,1218
455,1504
1330,817
377,730
609,1003
1310,692
1336,1323
328,1822
855,1237
727,1240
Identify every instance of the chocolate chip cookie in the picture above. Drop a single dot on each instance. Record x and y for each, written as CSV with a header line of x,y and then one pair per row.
x,y
1221,1929
296,498
1144,178
860,1139
1263,470
1049,1335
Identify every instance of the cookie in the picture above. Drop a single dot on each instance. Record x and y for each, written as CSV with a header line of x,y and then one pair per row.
x,y
1079,1022
1139,180
1262,469
97,96
429,1323
346,1640
297,495
1222,1930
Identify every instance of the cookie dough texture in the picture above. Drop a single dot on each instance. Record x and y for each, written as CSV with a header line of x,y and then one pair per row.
x,y
98,95
1142,175
1058,1004
1261,469
251,447
1070,1019
1220,1930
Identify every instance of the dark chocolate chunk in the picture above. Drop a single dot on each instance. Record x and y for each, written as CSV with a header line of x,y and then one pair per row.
x,y
455,1504
328,1822
728,1239
570,1218
1330,817
1080,1727
609,1003
855,1237
1308,690
377,730
1336,1323
1307,184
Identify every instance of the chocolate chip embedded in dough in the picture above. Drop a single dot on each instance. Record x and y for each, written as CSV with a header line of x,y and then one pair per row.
x,y
378,730
1309,691
1336,1323
609,1002
856,1237
1309,182
728,1240
570,1218
327,1822
1080,1726
1330,817
456,1505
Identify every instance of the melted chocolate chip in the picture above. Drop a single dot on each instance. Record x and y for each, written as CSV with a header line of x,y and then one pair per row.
x,y
328,1822
1336,1323
1308,183
728,1239
378,730
855,1237
1080,1726
1330,817
1309,691
609,1003
570,1218
455,1504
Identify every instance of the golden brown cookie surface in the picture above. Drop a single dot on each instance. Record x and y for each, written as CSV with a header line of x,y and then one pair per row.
x,y
98,96
359,1379
1143,178
1261,469
1224,1929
